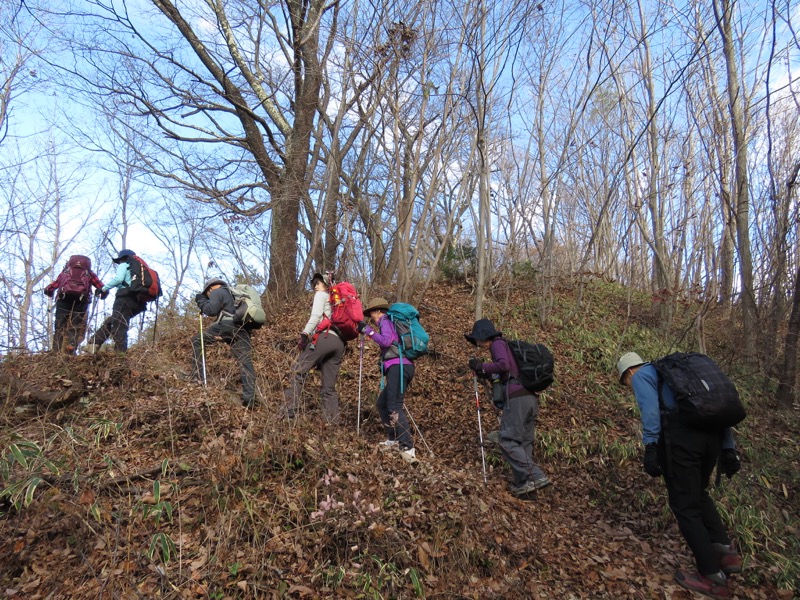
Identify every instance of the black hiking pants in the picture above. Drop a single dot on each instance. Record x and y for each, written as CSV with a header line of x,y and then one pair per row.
x,y
238,338
390,405
116,326
688,457
70,325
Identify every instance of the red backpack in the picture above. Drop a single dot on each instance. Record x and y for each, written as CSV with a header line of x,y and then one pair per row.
x,y
145,283
75,282
346,310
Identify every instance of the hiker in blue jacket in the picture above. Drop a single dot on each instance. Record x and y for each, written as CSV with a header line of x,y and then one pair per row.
x,y
398,372
520,410
216,300
126,306
686,456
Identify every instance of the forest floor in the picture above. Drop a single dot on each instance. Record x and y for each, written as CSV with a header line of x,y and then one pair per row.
x,y
121,480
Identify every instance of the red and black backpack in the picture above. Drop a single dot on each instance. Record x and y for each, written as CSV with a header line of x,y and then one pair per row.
x,y
75,281
145,283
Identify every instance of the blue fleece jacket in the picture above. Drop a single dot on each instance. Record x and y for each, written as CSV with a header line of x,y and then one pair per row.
x,y
645,384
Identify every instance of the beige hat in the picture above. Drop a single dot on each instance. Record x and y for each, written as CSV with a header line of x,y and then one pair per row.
x,y
376,304
628,361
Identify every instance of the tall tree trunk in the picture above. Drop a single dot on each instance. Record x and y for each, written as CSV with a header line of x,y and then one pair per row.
x,y
788,378
482,243
723,10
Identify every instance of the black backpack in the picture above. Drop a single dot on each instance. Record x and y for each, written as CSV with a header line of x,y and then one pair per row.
x,y
535,363
145,282
706,398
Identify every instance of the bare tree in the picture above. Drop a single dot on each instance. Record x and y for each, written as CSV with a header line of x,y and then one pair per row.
x,y
240,79
36,191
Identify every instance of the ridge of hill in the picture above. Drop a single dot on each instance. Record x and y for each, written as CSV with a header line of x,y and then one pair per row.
x,y
121,480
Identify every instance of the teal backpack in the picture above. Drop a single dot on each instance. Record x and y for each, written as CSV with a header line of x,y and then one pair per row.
x,y
413,337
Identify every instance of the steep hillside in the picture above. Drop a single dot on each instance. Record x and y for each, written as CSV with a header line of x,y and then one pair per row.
x,y
123,481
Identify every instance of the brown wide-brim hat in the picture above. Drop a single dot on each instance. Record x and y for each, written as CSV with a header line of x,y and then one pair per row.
x,y
482,330
376,304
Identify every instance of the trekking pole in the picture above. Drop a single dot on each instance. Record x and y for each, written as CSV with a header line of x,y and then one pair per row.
x,y
155,323
480,426
419,433
360,367
203,350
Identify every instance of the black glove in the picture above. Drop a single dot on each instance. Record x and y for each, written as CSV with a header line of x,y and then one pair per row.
x,y
302,342
49,293
98,292
103,295
200,298
729,462
651,460
361,326
476,364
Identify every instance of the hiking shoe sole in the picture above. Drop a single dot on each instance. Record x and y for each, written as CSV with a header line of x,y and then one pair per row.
x,y
702,585
410,456
524,491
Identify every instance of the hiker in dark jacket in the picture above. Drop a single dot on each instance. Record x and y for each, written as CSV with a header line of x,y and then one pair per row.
x,y
398,371
520,410
216,300
126,306
686,456
71,310
321,348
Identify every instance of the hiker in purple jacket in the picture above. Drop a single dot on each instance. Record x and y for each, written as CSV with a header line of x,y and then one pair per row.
x,y
520,410
399,371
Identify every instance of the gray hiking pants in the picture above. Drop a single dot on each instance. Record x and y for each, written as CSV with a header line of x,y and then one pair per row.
x,y
238,339
517,430
325,355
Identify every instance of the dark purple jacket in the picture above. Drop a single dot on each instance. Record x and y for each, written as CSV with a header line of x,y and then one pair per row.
x,y
387,339
504,365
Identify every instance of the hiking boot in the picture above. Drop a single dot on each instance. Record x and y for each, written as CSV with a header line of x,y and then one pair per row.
x,y
713,586
525,490
249,404
729,559
409,455
387,445
542,482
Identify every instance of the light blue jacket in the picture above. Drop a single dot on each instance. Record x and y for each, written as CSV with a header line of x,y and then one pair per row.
x,y
645,383
122,278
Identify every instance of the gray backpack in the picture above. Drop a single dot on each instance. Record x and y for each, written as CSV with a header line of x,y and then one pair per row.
x,y
248,311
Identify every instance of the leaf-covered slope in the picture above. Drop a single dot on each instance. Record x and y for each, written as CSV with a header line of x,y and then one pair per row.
x,y
148,486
